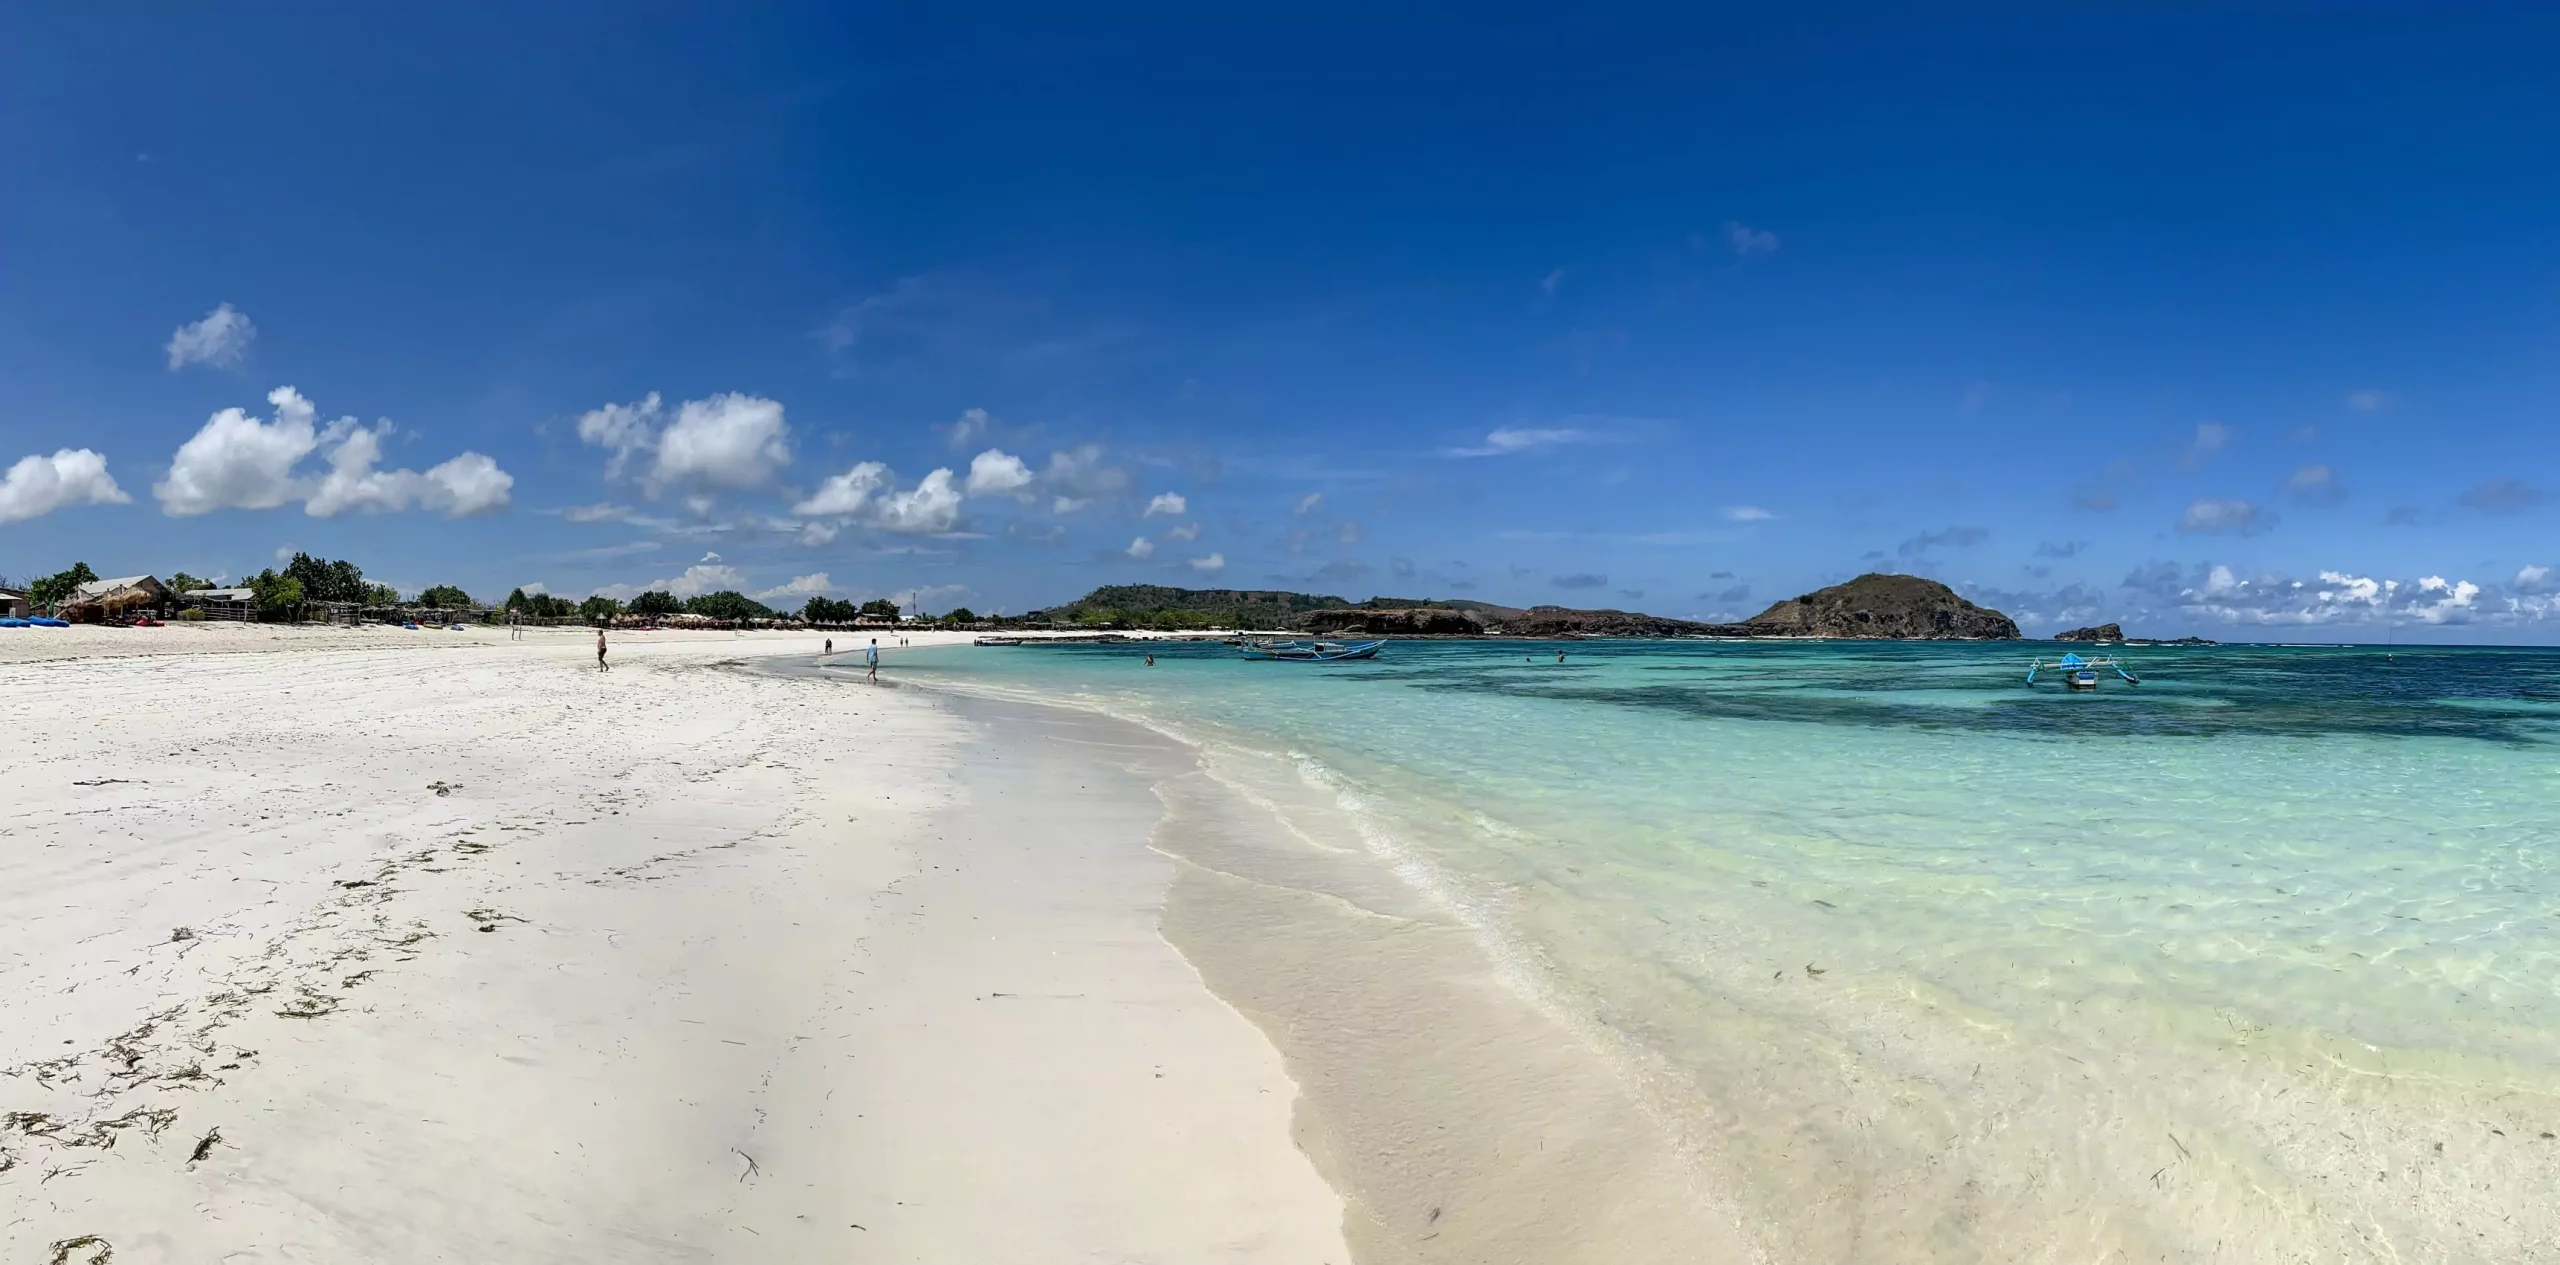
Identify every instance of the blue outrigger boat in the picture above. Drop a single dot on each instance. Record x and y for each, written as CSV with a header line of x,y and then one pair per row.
x,y
2079,673
1311,651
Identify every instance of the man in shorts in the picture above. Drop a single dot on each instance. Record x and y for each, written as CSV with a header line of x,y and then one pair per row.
x,y
601,665
871,657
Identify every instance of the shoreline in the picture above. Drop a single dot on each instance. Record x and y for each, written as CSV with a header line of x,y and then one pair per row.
x,y
370,954
1460,1114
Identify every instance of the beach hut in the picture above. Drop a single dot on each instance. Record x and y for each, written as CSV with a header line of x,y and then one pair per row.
x,y
124,595
13,604
239,604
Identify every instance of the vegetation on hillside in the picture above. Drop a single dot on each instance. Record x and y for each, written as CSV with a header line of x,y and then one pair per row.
x,y
1162,607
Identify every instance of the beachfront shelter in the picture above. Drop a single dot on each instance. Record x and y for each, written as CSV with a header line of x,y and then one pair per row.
x,y
123,595
13,604
220,603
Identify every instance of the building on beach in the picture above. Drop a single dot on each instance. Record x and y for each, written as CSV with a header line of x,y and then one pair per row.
x,y
13,604
106,599
220,603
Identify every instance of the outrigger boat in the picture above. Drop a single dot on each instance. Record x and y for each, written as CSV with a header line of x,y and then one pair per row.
x,y
1312,651
2079,673
997,641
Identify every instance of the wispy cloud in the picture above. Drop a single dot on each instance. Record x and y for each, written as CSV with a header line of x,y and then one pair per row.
x,y
1747,514
1951,538
2366,400
2502,496
2315,485
2210,439
1580,580
221,340
1507,440
1748,242
2225,517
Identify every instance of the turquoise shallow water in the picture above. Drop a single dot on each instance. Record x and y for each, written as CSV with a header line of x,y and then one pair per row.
x,y
1874,907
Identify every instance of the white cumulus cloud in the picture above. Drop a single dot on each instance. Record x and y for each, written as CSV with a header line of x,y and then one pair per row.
x,y
811,585
846,494
1167,503
701,578
220,339
39,485
930,508
727,441
1747,514
468,485
731,441
1309,504
236,461
995,471
1186,532
1212,562
1142,548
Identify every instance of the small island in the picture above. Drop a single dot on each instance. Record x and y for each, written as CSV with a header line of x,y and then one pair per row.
x,y
1872,607
2094,632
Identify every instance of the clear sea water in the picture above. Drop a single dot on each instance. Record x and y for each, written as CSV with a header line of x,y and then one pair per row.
x,y
2257,960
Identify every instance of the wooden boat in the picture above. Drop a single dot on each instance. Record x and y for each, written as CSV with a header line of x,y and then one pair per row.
x,y
997,641
1312,651
2078,673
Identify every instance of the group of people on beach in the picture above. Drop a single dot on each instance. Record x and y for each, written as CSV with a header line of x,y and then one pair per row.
x,y
870,655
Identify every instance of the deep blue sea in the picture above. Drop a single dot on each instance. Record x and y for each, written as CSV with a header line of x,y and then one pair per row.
x,y
2268,944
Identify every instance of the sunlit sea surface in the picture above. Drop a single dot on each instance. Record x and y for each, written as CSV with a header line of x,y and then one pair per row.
x,y
2259,959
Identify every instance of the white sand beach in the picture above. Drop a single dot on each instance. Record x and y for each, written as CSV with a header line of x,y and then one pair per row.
x,y
401,946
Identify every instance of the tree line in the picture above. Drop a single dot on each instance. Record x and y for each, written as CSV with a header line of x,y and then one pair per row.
x,y
306,580
273,593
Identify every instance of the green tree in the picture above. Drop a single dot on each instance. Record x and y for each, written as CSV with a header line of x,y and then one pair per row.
x,y
962,616
57,588
443,597
879,608
326,581
183,584
277,596
728,604
598,608
655,602
381,595
516,600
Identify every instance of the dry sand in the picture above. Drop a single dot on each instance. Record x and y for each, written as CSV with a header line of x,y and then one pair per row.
x,y
411,946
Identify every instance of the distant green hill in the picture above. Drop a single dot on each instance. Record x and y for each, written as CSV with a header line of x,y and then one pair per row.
x,y
1159,606
1487,609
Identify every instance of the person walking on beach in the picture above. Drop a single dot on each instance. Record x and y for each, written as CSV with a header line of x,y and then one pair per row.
x,y
831,645
871,657
601,665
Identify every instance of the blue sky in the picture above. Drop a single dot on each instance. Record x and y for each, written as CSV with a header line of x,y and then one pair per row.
x,y
2242,323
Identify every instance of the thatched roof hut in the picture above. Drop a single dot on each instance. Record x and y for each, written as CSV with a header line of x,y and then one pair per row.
x,y
118,596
